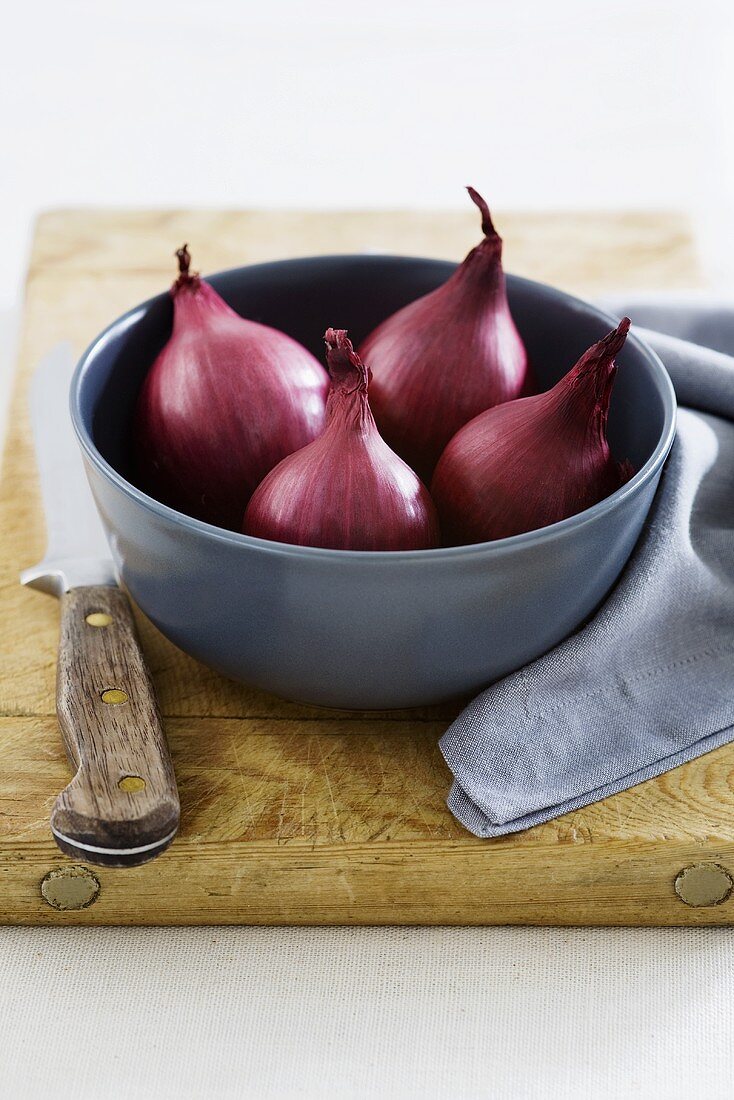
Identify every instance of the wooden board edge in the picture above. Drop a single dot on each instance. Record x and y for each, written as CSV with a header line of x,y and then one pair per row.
x,y
577,885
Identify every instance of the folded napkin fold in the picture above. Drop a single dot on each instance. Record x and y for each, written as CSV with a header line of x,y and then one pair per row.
x,y
648,683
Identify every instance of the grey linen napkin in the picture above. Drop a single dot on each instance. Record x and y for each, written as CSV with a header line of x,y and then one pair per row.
x,y
648,683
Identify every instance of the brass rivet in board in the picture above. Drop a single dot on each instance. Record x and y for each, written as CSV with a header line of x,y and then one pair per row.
x,y
113,696
67,888
98,618
132,783
703,885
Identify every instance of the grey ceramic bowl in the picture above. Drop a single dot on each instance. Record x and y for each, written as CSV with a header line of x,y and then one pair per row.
x,y
359,629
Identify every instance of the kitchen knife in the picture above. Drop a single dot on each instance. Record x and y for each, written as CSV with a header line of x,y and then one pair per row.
x,y
121,808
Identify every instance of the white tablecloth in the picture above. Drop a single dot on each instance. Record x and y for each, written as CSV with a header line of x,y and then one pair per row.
x,y
403,1013
118,1014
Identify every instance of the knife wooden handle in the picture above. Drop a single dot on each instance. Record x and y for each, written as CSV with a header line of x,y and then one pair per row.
x,y
121,808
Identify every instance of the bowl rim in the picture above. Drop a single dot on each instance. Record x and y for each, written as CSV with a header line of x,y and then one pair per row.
x,y
497,547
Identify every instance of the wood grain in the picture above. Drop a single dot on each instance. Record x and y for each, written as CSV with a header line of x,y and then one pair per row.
x,y
291,814
121,808
286,822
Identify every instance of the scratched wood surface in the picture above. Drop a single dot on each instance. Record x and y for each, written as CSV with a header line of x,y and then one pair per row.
x,y
291,814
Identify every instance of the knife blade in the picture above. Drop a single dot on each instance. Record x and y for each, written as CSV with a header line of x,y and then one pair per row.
x,y
77,551
121,808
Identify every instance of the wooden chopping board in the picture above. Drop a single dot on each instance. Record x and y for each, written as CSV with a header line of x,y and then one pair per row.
x,y
292,815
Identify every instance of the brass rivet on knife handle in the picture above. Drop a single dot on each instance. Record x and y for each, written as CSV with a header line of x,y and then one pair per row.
x,y
98,619
67,888
131,783
121,808
114,697
703,885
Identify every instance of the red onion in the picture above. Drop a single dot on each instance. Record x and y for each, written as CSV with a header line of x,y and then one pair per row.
x,y
347,490
446,357
223,403
535,460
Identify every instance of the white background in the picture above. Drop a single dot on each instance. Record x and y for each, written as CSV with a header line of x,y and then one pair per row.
x,y
373,1014
382,103
322,104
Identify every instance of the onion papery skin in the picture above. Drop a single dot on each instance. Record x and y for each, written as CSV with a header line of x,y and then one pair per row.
x,y
533,461
347,490
440,361
224,402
